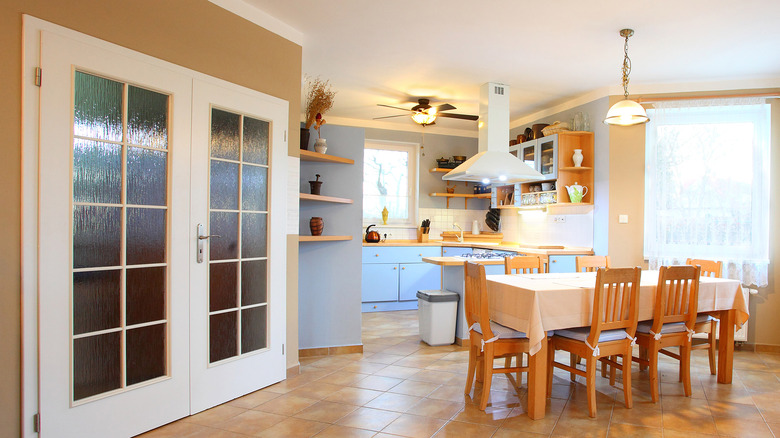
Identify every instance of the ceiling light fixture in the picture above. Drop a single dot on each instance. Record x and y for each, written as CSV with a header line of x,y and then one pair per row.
x,y
424,117
626,112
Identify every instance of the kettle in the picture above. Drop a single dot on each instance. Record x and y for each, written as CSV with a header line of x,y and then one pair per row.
x,y
372,236
576,192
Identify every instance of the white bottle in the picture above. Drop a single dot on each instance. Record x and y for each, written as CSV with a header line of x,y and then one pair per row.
x,y
475,227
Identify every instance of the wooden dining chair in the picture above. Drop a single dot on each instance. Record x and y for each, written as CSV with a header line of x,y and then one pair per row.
x,y
706,323
613,323
674,316
591,263
487,339
522,265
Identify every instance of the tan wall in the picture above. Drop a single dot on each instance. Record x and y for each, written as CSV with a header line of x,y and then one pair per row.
x,y
626,196
192,33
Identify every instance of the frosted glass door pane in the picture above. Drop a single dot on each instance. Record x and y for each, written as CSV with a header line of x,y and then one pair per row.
x,y
253,235
147,118
96,301
97,107
96,236
223,286
254,329
147,182
254,182
224,185
96,365
145,236
253,282
223,333
145,353
97,172
145,291
226,226
255,148
224,134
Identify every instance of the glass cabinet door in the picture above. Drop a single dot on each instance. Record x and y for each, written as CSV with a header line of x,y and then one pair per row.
x,y
548,156
528,154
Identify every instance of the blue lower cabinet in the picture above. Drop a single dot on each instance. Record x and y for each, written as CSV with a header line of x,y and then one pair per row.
x,y
380,282
562,263
494,269
393,275
417,276
455,251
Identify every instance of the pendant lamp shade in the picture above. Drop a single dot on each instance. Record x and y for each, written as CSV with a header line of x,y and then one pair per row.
x,y
626,113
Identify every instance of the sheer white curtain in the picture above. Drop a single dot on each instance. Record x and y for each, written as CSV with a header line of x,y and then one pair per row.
x,y
707,185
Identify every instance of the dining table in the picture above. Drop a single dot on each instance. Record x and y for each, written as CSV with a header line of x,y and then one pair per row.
x,y
539,304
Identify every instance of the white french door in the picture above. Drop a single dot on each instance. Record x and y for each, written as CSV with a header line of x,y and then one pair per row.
x,y
133,331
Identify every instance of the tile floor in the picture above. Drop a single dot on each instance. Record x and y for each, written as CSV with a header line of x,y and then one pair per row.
x,y
400,386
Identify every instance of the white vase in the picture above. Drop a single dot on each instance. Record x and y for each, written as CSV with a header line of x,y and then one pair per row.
x,y
320,146
577,157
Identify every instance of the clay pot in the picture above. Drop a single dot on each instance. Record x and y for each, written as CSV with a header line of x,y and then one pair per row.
x,y
538,129
316,226
305,135
315,187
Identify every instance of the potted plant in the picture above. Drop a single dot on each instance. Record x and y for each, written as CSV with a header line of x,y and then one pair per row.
x,y
319,99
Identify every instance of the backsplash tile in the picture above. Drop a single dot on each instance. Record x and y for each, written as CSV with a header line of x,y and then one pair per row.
x,y
535,227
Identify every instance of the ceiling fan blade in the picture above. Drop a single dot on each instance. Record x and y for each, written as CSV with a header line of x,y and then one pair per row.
x,y
444,107
457,116
390,117
394,107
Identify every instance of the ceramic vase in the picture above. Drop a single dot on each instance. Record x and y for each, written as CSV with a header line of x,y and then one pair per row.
x,y
305,139
316,226
320,146
577,158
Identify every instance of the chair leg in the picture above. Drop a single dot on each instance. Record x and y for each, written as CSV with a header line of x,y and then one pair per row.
x,y
612,371
573,361
480,365
472,368
590,379
550,368
685,368
627,377
643,355
711,339
519,373
653,358
487,376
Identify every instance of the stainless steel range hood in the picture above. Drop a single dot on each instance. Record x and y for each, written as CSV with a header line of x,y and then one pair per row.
x,y
493,163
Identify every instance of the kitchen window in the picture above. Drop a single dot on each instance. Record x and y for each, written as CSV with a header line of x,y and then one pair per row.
x,y
390,181
707,185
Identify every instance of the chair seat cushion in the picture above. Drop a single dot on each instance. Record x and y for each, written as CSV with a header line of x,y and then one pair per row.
x,y
703,317
582,333
674,327
502,331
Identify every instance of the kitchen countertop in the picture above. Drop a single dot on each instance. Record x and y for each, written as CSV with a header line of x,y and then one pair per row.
x,y
459,261
503,246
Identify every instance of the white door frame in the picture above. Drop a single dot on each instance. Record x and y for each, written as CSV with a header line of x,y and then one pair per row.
x,y
31,44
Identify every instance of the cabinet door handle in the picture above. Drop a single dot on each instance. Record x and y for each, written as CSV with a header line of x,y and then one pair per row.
x,y
403,268
376,255
419,255
553,261
395,267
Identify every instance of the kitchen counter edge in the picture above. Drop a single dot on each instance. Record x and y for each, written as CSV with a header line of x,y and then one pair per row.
x,y
502,247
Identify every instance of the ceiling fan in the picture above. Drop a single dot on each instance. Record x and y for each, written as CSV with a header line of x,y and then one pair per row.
x,y
425,114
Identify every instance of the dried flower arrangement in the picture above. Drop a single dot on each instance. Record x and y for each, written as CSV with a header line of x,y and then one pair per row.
x,y
319,99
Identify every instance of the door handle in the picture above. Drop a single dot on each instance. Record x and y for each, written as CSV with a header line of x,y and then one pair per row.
x,y
202,236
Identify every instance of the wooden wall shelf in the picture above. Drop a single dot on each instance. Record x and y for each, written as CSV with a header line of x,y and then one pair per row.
x,y
324,158
321,198
323,238
460,195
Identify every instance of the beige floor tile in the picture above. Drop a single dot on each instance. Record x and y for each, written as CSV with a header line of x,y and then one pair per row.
x,y
215,433
354,396
393,402
737,427
316,390
293,428
368,418
441,409
173,430
251,422
410,387
642,414
581,427
450,393
456,429
215,415
519,420
416,361
491,416
286,405
398,372
503,432
377,383
775,428
256,398
343,378
384,358
413,426
364,367
769,405
326,412
734,410
336,431
433,376
622,430
689,422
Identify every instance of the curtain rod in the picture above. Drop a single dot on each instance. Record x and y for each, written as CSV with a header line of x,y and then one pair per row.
x,y
724,96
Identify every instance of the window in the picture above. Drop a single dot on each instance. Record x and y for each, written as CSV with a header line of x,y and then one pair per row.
x,y
707,185
390,180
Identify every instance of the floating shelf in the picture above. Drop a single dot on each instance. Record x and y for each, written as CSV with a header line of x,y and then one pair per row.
x,y
321,198
324,158
575,168
569,208
441,170
323,238
460,195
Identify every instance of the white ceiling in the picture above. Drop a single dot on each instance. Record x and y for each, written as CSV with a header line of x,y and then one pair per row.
x,y
548,52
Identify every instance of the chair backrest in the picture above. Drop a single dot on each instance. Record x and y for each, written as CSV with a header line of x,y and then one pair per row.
x,y
709,268
615,301
522,265
592,263
676,296
476,301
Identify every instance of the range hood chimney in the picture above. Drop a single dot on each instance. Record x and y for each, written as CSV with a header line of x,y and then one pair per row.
x,y
493,163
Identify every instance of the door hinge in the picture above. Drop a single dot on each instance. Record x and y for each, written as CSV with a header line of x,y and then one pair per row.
x,y
38,76
282,349
37,423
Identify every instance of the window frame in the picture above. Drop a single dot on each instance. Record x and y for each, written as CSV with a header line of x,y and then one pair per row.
x,y
413,149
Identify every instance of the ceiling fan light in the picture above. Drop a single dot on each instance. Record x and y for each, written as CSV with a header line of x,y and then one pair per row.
x,y
626,113
423,118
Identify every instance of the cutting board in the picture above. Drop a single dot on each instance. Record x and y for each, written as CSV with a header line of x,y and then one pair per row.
x,y
452,236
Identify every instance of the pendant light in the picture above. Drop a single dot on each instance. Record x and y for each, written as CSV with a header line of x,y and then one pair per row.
x,y
424,117
626,112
